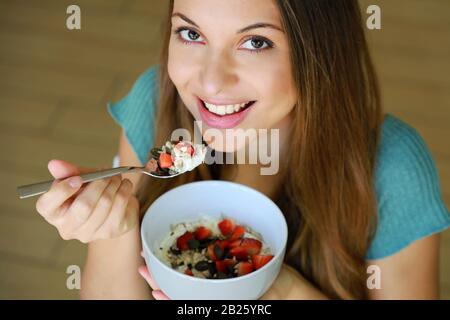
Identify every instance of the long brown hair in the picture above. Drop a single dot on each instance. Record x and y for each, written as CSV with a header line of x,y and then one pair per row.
x,y
328,197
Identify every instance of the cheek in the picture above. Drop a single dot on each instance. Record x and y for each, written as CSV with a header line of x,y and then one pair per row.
x,y
178,68
278,100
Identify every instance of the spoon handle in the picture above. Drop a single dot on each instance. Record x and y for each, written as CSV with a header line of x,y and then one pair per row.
x,y
35,189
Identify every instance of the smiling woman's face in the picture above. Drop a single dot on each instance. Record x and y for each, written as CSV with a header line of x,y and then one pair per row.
x,y
229,61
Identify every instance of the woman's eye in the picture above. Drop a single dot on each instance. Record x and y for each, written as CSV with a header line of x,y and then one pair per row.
x,y
256,44
189,35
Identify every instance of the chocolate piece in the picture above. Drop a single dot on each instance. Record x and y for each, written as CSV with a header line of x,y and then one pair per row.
x,y
202,266
193,244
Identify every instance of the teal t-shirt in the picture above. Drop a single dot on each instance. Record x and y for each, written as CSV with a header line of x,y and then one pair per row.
x,y
410,205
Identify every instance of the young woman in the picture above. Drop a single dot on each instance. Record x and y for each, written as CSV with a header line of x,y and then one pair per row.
x,y
357,188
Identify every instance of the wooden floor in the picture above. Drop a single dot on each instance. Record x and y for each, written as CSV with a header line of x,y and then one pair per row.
x,y
55,85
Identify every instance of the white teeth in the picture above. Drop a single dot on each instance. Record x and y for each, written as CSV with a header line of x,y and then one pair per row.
x,y
211,107
223,110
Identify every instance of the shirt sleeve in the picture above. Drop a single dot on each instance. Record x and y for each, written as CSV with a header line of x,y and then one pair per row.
x,y
410,204
135,113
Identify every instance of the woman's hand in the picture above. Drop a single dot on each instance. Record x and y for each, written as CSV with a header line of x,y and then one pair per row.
x,y
289,285
97,210
145,273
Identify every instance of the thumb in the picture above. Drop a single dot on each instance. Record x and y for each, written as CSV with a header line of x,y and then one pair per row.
x,y
61,169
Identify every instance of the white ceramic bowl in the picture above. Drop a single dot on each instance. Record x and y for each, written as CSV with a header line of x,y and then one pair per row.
x,y
194,200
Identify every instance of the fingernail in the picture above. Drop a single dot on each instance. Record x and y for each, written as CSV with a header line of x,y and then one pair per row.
x,y
75,182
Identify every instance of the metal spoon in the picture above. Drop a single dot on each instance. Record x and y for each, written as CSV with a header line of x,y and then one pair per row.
x,y
35,189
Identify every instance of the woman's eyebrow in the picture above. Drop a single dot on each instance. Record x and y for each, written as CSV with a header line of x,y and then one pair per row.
x,y
250,27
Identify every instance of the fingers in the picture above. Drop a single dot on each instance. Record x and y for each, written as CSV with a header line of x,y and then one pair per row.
x,y
61,169
144,272
84,204
101,211
123,214
48,204
159,295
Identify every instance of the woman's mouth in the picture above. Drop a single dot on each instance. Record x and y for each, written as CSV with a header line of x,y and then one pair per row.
x,y
223,110
223,116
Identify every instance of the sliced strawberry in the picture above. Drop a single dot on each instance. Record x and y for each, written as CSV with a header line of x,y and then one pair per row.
x,y
165,160
217,253
188,272
252,245
182,241
244,268
239,253
191,150
151,165
238,232
202,233
226,226
224,265
260,260
245,247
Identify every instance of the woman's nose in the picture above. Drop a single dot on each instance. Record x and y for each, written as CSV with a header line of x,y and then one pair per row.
x,y
217,75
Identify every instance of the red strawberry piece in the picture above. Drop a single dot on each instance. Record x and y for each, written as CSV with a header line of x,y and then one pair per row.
x,y
260,260
244,268
188,272
182,241
224,265
152,165
245,247
226,226
216,250
191,150
165,160
239,253
253,245
238,232
202,233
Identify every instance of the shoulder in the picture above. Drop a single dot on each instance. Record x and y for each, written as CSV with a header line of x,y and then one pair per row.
x,y
409,199
403,153
134,113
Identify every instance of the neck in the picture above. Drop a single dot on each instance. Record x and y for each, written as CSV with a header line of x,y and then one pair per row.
x,y
250,174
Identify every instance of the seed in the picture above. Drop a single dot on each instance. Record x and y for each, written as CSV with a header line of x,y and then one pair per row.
x,y
202,266
175,251
218,252
193,244
181,263
190,265
155,153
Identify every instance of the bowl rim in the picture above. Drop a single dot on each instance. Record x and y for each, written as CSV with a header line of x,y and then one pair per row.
x,y
233,184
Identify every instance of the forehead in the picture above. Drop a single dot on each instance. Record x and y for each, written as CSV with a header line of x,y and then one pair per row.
x,y
228,13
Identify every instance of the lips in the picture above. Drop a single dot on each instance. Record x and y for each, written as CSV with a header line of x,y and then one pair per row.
x,y
226,121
